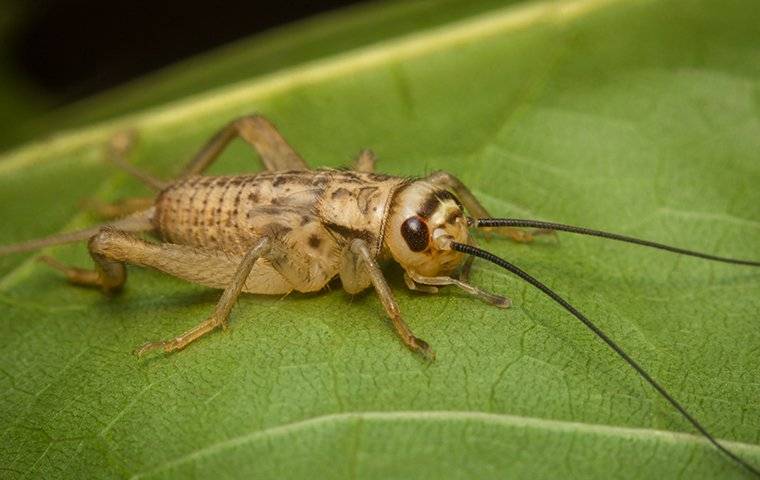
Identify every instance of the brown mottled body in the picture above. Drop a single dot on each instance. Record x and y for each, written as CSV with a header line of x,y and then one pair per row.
x,y
311,213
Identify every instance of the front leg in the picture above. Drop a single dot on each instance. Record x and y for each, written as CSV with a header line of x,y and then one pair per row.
x,y
360,255
433,282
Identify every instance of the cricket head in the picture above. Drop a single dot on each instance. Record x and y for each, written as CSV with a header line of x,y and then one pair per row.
x,y
423,221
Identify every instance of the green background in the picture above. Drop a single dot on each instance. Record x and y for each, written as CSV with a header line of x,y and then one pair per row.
x,y
635,116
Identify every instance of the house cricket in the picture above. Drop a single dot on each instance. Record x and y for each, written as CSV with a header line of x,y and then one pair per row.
x,y
290,228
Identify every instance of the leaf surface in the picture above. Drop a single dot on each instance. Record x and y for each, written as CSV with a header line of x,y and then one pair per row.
x,y
634,116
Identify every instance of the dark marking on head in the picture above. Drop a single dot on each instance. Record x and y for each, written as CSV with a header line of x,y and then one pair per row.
x,y
415,233
456,200
453,216
446,195
279,180
314,241
431,203
305,219
428,206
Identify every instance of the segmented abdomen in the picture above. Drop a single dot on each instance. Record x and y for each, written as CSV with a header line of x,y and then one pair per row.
x,y
209,212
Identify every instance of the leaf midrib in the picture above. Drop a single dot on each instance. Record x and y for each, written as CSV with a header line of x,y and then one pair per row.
x,y
534,423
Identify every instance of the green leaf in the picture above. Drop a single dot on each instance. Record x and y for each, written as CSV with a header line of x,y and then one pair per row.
x,y
634,116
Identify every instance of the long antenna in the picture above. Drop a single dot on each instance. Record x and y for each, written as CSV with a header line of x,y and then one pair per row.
x,y
470,250
137,222
516,222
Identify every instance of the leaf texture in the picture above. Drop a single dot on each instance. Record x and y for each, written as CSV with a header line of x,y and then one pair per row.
x,y
635,116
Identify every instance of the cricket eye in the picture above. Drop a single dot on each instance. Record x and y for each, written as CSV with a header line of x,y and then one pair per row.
x,y
415,233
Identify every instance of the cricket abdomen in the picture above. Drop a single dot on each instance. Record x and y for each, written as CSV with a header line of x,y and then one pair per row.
x,y
227,212
204,212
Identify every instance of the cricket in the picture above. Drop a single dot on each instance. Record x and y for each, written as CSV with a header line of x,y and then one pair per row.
x,y
292,228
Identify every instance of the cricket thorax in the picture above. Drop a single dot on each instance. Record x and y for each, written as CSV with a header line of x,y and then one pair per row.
x,y
421,217
320,209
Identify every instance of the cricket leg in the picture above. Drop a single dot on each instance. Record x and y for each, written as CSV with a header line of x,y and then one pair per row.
x,y
362,255
417,280
365,162
223,307
411,285
471,203
118,209
111,249
275,153
117,150
110,275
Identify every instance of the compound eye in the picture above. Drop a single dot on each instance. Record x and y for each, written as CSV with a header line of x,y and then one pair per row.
x,y
415,233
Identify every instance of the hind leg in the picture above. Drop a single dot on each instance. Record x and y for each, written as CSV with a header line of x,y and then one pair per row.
x,y
119,208
276,154
109,275
257,131
223,308
117,150
111,249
